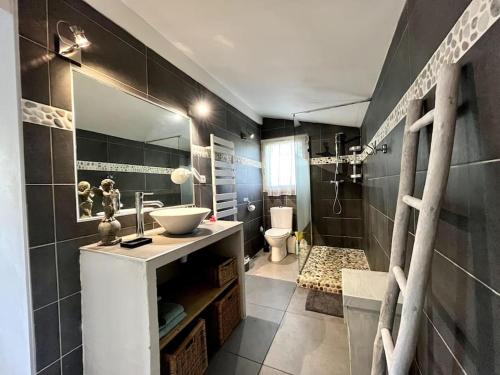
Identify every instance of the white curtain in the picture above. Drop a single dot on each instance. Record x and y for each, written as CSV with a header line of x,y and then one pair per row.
x,y
278,158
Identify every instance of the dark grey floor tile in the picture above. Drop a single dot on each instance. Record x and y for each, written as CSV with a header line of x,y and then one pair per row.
x,y
43,275
71,323
269,292
46,335
252,338
224,363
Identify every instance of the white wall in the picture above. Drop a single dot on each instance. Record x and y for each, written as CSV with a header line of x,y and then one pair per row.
x,y
16,354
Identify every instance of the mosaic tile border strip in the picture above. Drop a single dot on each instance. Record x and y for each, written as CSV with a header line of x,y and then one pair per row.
x,y
41,114
479,16
323,268
246,161
200,151
333,159
205,152
83,165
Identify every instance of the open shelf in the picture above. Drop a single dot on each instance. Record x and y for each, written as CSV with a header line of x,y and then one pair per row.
x,y
194,296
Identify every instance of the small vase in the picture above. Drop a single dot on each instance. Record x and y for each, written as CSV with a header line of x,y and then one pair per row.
x,y
108,229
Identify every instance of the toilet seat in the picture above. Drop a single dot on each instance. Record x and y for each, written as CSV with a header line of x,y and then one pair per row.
x,y
278,232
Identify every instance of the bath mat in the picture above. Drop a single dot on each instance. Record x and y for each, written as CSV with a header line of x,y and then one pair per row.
x,y
325,303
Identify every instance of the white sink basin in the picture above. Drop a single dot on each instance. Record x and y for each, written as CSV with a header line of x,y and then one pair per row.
x,y
180,220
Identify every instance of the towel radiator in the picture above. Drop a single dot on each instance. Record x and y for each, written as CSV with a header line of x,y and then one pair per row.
x,y
223,178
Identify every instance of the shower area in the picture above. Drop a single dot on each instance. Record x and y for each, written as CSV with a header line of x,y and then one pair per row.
x,y
329,204
326,199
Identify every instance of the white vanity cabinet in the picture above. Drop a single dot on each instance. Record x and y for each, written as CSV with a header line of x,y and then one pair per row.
x,y
119,296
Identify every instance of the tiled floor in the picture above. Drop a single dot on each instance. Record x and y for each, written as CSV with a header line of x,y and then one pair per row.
x,y
280,337
286,270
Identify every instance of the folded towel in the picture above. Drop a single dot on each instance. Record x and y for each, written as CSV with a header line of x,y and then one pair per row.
x,y
171,325
169,311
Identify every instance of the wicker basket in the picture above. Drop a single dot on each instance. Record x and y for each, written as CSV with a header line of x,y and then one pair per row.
x,y
222,272
227,313
190,357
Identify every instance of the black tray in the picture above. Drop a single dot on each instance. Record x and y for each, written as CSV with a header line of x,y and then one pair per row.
x,y
136,242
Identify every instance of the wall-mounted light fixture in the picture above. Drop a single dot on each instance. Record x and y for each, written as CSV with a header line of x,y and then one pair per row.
x,y
200,109
71,49
247,134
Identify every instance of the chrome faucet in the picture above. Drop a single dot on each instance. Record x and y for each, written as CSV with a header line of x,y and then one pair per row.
x,y
140,203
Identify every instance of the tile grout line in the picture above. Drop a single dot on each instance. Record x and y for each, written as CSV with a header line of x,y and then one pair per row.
x,y
458,165
442,255
468,273
49,365
444,342
58,300
55,246
279,326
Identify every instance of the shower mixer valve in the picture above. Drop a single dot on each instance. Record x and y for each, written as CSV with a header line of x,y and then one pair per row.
x,y
336,182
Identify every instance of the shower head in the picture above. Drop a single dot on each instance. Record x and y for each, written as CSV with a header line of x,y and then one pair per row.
x,y
296,122
339,140
339,137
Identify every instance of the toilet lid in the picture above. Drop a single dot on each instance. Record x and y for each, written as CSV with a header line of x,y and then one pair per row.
x,y
277,232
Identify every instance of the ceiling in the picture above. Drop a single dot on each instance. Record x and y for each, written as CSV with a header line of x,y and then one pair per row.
x,y
283,56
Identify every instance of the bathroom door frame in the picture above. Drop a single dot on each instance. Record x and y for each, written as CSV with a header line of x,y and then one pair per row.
x,y
16,318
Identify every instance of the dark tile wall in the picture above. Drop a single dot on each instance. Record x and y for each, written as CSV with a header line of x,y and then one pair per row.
x,y
279,201
93,146
459,330
54,233
329,229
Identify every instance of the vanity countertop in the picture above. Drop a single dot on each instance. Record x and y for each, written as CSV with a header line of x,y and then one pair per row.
x,y
170,246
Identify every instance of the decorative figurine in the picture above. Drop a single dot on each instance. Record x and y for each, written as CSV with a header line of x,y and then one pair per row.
x,y
85,195
109,226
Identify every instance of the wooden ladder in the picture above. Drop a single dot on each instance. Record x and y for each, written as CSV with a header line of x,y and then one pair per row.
x,y
398,356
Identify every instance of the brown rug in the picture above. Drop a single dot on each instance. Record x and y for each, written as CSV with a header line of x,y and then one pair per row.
x,y
325,303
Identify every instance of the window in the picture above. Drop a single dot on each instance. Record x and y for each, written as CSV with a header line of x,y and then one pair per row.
x,y
278,160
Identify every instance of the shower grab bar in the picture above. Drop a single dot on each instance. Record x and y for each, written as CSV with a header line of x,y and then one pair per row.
x,y
398,358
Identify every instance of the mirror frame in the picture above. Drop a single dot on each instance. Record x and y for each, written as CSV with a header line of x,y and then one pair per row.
x,y
110,82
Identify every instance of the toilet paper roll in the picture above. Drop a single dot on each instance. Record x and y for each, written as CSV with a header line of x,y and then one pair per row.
x,y
251,207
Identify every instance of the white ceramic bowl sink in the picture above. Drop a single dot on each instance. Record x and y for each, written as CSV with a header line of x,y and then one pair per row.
x,y
180,220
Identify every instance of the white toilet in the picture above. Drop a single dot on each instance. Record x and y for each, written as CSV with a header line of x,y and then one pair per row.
x,y
281,228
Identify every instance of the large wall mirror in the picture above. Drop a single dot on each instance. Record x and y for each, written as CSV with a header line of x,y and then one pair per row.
x,y
130,141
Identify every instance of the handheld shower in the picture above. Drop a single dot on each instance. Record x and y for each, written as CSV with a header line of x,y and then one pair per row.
x,y
339,141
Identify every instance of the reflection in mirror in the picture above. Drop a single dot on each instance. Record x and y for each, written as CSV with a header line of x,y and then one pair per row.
x,y
133,142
